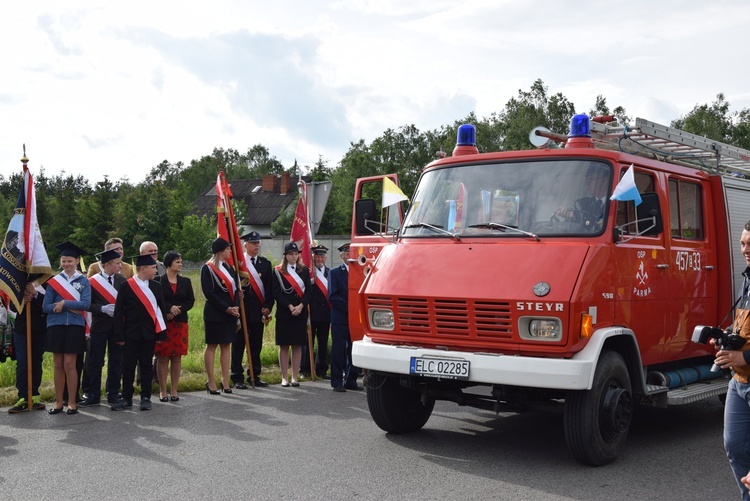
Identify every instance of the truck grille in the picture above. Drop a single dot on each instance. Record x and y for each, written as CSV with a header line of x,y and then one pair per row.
x,y
477,319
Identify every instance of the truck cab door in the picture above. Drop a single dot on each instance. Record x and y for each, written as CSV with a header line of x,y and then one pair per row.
x,y
373,227
693,278
642,266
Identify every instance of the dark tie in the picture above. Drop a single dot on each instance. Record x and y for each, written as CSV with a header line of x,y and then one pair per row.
x,y
109,279
253,260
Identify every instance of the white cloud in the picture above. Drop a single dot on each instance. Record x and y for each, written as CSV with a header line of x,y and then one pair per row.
x,y
116,88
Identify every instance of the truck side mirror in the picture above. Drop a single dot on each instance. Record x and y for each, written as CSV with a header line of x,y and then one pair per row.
x,y
649,208
364,211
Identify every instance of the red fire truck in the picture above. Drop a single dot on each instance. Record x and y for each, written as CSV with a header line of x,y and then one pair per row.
x,y
506,287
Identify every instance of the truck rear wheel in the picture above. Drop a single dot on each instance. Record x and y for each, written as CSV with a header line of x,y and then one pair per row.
x,y
597,420
394,408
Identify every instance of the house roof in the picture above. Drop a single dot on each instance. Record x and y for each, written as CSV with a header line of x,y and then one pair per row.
x,y
263,207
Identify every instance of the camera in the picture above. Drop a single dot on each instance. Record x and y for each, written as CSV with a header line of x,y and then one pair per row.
x,y
6,347
725,339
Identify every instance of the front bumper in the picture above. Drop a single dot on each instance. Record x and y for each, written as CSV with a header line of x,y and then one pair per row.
x,y
574,373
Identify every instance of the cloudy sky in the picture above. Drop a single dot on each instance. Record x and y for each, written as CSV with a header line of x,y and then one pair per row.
x,y
114,88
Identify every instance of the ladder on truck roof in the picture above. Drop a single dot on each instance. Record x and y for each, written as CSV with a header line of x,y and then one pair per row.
x,y
672,145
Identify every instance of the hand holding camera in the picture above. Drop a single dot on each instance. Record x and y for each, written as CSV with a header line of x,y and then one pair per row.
x,y
725,341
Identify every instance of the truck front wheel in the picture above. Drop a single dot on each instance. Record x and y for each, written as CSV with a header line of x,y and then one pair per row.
x,y
394,408
597,420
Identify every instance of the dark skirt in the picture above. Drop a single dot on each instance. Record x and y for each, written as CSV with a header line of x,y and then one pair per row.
x,y
291,332
221,332
176,344
65,339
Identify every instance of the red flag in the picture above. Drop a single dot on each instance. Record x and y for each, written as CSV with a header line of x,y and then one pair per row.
x,y
226,225
301,227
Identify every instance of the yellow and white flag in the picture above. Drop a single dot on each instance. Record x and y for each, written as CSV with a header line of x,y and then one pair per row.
x,y
391,193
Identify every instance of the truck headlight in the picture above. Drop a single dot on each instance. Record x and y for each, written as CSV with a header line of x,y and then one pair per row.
x,y
381,320
540,329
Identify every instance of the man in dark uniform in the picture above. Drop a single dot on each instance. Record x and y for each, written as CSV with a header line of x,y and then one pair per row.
x,y
104,287
320,314
258,302
33,299
139,321
343,373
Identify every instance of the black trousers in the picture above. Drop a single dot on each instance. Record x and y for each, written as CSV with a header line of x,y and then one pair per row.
x,y
37,354
255,334
137,352
320,332
343,373
92,374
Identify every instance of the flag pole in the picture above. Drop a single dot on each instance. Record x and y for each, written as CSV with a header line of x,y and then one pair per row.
x,y
235,257
232,240
303,193
29,370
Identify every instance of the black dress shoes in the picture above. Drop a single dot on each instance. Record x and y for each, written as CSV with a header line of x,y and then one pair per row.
x,y
88,401
71,411
146,404
55,411
260,383
240,386
212,392
339,389
122,404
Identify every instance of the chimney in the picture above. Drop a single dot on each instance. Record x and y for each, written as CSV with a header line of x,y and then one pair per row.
x,y
285,183
269,182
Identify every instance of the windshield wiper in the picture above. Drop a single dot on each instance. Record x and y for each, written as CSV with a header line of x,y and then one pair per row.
x,y
436,229
504,227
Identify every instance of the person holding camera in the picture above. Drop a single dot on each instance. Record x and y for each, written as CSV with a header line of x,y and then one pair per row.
x,y
737,406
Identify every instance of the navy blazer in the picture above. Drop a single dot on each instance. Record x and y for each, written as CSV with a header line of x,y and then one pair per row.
x,y
184,297
320,310
286,295
253,305
132,320
101,322
338,294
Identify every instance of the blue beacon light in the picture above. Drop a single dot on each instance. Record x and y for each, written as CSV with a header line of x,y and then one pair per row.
x,y
466,136
580,126
466,141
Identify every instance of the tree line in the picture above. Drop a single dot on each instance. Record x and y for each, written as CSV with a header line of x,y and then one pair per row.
x,y
159,208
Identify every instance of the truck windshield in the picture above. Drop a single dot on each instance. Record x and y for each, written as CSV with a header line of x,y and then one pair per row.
x,y
514,199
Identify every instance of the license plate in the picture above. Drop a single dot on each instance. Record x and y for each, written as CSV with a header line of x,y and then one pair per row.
x,y
439,367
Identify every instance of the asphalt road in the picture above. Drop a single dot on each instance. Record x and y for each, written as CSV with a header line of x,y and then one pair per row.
x,y
312,443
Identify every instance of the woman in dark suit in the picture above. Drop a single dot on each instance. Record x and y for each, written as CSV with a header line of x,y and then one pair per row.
x,y
179,298
291,290
221,312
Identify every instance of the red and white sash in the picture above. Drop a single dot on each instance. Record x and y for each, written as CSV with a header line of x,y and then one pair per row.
x,y
66,291
255,282
322,282
104,288
227,280
148,300
294,280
